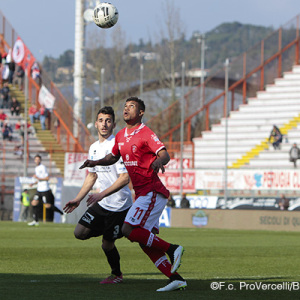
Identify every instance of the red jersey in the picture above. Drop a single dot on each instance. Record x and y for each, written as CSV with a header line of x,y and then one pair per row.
x,y
3,117
32,110
138,149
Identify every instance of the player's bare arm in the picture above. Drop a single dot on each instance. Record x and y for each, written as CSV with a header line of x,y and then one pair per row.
x,y
162,159
86,187
108,160
122,181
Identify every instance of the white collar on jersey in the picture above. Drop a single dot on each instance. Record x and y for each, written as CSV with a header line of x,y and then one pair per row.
x,y
134,131
107,140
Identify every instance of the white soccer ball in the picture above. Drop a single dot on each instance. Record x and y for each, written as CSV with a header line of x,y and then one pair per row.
x,y
105,15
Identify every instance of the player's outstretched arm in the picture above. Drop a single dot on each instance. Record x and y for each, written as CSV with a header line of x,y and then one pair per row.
x,y
162,159
108,160
71,205
122,180
86,187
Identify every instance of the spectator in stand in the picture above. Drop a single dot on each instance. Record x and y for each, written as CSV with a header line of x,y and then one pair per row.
x,y
20,128
185,203
276,137
15,106
5,95
4,69
20,77
43,115
7,132
12,68
19,150
294,154
284,203
171,201
3,117
36,73
33,113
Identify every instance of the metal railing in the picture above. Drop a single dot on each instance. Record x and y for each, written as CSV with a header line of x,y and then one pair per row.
x,y
248,73
63,119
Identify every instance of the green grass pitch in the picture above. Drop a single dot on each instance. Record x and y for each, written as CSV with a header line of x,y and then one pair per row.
x,y
47,262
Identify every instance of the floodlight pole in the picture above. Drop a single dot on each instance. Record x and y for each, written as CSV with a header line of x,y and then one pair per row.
x,y
141,79
79,65
25,141
182,127
226,130
102,87
202,70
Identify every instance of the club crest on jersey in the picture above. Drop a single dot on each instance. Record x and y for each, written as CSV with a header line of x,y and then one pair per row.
x,y
133,148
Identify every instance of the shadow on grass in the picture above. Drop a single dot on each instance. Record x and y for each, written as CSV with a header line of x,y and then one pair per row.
x,y
86,286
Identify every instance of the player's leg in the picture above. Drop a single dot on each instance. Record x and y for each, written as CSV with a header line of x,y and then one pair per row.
x,y
90,224
141,218
112,231
163,265
113,258
48,199
82,232
35,210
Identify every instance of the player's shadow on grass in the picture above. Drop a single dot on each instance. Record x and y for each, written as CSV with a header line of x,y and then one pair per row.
x,y
86,286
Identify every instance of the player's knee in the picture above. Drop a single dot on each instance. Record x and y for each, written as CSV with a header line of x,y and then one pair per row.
x,y
107,245
79,234
34,202
126,230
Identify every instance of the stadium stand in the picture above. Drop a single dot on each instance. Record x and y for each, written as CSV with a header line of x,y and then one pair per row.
x,y
250,126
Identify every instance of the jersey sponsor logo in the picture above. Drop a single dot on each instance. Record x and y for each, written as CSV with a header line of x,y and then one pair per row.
x,y
130,163
128,138
103,169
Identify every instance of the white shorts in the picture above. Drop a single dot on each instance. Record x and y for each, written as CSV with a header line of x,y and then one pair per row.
x,y
146,210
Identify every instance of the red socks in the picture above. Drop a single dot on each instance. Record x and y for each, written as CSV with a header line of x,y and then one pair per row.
x,y
160,260
147,238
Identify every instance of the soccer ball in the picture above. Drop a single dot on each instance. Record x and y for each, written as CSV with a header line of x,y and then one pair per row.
x,y
105,15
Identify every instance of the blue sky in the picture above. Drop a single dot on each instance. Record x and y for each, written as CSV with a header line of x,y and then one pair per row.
x,y
47,27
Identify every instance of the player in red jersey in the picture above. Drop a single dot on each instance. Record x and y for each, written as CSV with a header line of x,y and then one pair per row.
x,y
144,155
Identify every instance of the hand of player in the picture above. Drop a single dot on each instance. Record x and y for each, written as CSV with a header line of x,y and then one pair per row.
x,y
93,198
70,206
88,164
157,165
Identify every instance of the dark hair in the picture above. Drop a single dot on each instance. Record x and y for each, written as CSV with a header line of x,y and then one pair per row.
x,y
140,102
38,156
106,110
